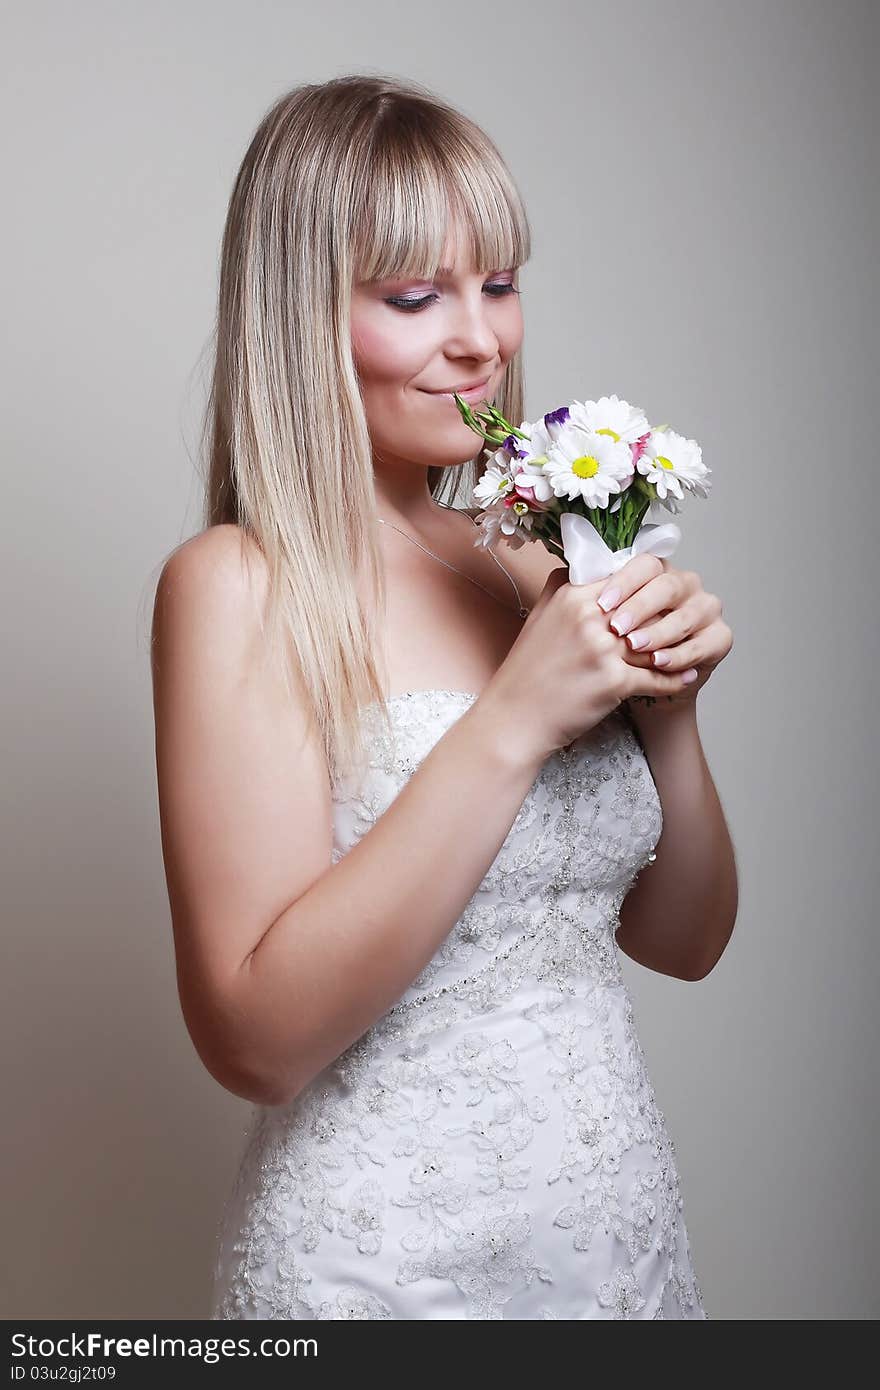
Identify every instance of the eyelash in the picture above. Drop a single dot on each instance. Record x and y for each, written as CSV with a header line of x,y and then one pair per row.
x,y
412,305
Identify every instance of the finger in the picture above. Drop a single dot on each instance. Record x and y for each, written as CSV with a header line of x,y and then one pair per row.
x,y
639,660
562,575
555,580
660,682
656,597
695,652
630,577
668,629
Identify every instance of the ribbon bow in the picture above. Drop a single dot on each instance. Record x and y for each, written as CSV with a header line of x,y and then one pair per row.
x,y
589,558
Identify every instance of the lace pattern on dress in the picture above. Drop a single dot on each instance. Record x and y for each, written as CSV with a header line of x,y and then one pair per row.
x,y
510,1071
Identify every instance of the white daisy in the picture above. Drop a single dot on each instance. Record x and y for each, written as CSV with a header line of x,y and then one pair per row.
x,y
612,416
518,458
496,482
513,523
582,463
673,464
530,471
538,442
534,476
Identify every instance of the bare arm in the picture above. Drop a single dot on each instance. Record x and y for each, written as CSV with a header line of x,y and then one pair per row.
x,y
679,915
283,958
341,955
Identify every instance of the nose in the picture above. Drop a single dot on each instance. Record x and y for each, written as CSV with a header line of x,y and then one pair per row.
x,y
472,334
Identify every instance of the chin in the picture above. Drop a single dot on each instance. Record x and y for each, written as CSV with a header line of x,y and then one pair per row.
x,y
450,446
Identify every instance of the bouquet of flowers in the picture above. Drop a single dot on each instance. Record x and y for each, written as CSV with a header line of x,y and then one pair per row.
x,y
552,481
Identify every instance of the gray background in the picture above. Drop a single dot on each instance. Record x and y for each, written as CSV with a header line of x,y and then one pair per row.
x,y
700,191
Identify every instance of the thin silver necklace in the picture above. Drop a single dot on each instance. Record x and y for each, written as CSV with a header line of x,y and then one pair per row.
x,y
523,611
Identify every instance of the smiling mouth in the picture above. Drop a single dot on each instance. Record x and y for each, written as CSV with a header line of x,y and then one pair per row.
x,y
461,390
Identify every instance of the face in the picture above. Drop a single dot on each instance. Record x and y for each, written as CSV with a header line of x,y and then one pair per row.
x,y
414,339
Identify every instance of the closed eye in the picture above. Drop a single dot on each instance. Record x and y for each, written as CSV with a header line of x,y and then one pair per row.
x,y
495,291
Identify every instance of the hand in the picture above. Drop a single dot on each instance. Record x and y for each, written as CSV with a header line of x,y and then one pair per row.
x,y
670,609
567,670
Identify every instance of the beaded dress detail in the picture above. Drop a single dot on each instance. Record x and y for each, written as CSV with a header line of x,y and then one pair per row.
x,y
492,1147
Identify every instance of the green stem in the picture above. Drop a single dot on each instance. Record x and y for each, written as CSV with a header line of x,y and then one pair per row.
x,y
552,545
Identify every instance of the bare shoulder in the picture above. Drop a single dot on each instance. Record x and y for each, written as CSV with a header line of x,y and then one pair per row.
x,y
221,563
244,794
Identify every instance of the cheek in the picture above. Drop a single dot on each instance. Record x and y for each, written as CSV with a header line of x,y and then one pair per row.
x,y
383,357
513,332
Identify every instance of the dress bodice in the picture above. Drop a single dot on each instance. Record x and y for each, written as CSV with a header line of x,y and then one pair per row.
x,y
550,900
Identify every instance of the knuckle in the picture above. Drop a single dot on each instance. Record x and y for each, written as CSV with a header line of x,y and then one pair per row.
x,y
573,596
584,620
600,643
677,630
591,618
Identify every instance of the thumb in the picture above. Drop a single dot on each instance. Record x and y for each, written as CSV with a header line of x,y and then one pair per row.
x,y
555,579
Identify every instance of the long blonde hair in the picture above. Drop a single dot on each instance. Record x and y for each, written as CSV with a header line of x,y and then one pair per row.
x,y
354,178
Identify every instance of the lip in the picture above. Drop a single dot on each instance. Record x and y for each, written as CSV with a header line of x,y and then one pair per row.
x,y
474,392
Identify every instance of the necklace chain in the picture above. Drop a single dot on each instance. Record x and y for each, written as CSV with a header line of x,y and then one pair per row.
x,y
523,611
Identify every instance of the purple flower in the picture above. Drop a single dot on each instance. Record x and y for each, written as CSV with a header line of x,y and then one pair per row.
x,y
512,447
556,417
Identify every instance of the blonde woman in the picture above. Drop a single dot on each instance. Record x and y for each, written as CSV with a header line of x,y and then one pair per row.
x,y
403,803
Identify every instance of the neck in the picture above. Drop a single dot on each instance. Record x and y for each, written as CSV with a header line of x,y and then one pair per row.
x,y
403,496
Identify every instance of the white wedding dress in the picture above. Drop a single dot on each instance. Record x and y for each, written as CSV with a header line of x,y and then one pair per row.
x,y
492,1147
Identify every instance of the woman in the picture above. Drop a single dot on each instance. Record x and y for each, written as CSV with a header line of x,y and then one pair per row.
x,y
397,857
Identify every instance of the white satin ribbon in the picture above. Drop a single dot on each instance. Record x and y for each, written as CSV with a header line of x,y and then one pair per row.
x,y
589,558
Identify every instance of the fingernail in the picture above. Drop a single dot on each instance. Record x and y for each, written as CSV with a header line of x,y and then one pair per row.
x,y
622,623
689,676
607,600
662,658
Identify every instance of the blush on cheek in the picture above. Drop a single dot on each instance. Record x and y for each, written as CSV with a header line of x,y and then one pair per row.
x,y
366,345
383,361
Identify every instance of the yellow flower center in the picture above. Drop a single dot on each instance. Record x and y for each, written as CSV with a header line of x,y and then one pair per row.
x,y
612,433
664,462
587,466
